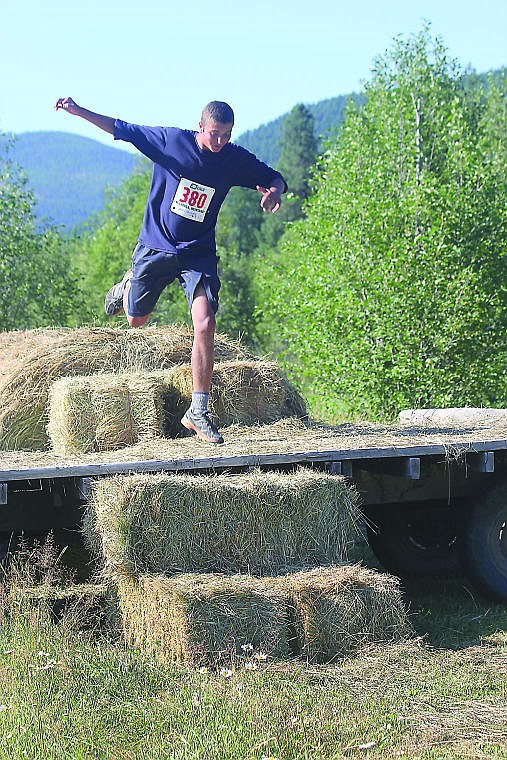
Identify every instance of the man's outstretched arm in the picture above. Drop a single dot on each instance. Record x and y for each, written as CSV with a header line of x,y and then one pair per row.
x,y
103,122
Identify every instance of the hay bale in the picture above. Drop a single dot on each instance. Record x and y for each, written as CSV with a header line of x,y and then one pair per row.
x,y
108,411
458,416
41,357
105,412
336,610
201,618
319,614
15,345
254,522
242,392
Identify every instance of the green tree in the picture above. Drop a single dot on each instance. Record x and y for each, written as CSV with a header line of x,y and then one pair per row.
x,y
36,286
392,291
297,158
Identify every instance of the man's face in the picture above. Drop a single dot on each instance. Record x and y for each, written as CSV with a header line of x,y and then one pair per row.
x,y
213,135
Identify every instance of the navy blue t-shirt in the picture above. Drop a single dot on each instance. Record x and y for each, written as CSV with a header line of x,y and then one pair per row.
x,y
188,185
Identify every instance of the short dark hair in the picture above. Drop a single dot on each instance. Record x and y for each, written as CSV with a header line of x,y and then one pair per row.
x,y
217,110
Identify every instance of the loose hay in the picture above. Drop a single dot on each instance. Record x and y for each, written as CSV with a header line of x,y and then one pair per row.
x,y
242,392
105,412
254,522
44,356
289,436
200,619
337,610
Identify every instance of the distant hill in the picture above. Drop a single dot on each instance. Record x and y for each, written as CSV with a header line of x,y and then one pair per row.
x,y
265,141
69,174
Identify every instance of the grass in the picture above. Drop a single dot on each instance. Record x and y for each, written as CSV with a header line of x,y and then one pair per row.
x,y
71,690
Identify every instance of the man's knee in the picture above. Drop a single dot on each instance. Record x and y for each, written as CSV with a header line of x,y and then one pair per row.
x,y
137,321
204,324
203,316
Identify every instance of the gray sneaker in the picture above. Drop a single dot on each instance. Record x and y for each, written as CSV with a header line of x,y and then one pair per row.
x,y
202,426
113,303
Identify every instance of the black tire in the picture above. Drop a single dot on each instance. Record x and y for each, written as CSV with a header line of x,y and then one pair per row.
x,y
415,540
484,542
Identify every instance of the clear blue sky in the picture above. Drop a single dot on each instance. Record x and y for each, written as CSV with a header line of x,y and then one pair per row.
x,y
160,62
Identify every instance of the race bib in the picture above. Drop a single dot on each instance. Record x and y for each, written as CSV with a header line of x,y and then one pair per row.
x,y
191,200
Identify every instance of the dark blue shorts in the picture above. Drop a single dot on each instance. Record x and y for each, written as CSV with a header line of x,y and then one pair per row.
x,y
154,270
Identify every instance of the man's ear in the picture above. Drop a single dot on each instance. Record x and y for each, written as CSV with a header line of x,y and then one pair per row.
x,y
201,128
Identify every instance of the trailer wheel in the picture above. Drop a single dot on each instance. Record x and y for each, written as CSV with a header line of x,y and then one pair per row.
x,y
415,541
484,542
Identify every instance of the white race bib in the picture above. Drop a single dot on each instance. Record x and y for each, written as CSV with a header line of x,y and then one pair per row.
x,y
191,200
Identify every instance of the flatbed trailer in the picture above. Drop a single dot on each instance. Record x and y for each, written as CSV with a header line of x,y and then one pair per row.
x,y
434,500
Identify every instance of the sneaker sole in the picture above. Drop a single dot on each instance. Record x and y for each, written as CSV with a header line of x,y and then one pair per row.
x,y
115,313
114,306
190,426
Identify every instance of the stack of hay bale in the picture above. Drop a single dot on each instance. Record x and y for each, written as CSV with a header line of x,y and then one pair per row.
x,y
97,389
107,411
205,565
208,565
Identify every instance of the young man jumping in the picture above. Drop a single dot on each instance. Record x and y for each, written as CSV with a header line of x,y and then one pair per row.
x,y
192,174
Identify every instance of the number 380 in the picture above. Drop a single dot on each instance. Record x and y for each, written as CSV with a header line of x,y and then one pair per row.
x,y
193,198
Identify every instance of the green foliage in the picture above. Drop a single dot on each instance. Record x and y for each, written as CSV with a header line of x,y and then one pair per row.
x,y
36,286
392,291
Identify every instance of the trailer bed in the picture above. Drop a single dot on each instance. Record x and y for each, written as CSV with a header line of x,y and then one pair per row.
x,y
287,442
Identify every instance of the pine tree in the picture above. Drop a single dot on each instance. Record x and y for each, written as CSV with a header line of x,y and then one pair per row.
x,y
297,158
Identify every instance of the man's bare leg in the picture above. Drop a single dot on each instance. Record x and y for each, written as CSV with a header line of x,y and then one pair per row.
x,y
203,350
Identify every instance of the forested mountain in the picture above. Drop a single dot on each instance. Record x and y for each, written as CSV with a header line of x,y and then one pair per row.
x,y
69,174
265,141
